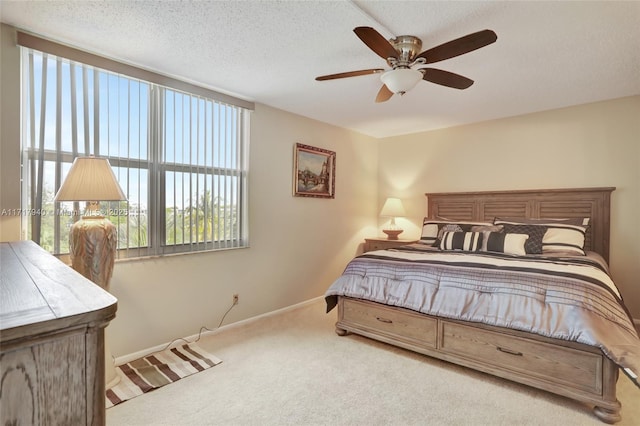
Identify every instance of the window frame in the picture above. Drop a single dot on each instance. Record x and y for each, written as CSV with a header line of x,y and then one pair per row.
x,y
156,165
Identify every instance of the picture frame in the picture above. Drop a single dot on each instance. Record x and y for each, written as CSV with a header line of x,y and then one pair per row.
x,y
314,172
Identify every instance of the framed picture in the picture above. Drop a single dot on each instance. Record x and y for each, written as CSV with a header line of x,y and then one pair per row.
x,y
314,171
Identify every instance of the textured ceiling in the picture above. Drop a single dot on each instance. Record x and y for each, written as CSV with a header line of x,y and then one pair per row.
x,y
548,54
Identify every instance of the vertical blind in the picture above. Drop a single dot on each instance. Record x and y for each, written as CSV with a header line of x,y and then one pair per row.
x,y
181,158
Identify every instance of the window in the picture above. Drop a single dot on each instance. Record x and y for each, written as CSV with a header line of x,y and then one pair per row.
x,y
180,157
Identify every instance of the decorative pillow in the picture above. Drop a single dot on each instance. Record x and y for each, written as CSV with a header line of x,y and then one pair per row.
x,y
485,233
467,241
449,227
432,229
561,235
429,232
567,238
535,233
503,242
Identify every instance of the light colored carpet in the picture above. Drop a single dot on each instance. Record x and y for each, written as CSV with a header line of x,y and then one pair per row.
x,y
292,369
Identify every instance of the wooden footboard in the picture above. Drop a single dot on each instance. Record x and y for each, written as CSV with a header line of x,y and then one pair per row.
x,y
574,370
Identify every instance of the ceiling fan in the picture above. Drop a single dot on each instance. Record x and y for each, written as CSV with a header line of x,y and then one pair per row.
x,y
401,54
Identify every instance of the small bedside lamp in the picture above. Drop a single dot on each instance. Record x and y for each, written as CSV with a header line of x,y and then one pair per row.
x,y
392,208
93,239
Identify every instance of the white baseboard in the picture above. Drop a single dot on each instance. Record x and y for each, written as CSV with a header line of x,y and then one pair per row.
x,y
139,354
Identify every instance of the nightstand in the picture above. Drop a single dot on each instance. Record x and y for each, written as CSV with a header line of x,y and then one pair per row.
x,y
383,243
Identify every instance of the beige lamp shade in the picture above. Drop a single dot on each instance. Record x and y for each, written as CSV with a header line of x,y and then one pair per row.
x,y
90,179
393,208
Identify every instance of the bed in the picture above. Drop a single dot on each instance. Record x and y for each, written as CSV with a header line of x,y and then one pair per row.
x,y
550,318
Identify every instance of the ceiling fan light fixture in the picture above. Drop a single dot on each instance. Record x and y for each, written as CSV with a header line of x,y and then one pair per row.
x,y
401,80
401,54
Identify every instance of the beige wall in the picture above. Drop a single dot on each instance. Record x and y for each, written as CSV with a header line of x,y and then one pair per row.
x,y
298,245
584,146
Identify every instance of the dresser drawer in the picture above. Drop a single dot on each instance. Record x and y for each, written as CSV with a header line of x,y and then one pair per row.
x,y
372,244
400,324
565,365
378,245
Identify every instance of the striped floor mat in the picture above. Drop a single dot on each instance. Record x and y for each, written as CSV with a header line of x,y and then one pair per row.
x,y
159,369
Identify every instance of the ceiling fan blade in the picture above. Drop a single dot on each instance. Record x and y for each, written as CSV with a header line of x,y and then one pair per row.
x,y
446,78
458,46
384,94
349,74
376,42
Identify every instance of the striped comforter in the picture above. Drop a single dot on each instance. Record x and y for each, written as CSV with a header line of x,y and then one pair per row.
x,y
569,298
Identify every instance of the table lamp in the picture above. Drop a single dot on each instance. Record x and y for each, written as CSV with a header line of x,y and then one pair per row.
x,y
392,208
93,239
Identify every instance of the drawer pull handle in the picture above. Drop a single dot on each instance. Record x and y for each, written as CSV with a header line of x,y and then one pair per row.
x,y
509,351
388,321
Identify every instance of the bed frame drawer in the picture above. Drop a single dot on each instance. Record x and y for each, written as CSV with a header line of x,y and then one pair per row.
x,y
561,365
566,368
398,324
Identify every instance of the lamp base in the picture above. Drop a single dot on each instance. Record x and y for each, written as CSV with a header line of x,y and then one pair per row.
x,y
392,234
92,247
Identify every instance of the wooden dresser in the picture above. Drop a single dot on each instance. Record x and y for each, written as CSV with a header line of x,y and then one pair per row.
x,y
52,323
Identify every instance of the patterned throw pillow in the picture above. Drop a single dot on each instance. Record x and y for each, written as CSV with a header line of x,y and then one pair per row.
x,y
566,236
564,239
432,229
535,233
449,227
466,241
485,233
502,242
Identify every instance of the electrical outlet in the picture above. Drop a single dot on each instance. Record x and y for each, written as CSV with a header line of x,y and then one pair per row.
x,y
235,299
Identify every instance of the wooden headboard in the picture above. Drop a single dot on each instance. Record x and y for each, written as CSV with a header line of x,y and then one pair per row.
x,y
534,204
